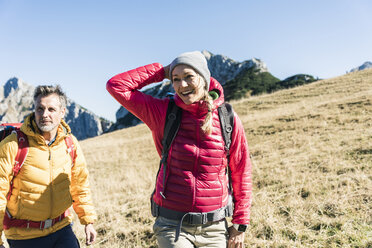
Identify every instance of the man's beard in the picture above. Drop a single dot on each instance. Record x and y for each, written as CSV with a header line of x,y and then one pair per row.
x,y
46,128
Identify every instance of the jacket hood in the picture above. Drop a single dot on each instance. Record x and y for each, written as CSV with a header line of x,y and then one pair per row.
x,y
30,128
200,108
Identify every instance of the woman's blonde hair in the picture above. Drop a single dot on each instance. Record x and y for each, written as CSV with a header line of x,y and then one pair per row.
x,y
207,125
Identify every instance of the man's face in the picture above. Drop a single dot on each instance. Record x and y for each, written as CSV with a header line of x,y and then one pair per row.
x,y
48,113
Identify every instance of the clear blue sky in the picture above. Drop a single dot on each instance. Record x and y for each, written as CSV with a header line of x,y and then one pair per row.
x,y
81,44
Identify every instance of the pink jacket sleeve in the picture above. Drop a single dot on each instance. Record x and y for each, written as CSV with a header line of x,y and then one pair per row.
x,y
241,174
125,87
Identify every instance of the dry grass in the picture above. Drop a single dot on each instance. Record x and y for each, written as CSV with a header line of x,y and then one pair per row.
x,y
312,155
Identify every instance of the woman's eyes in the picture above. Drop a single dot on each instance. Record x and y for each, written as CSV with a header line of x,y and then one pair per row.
x,y
188,77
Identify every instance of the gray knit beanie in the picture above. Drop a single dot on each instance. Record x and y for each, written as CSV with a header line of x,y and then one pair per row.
x,y
194,59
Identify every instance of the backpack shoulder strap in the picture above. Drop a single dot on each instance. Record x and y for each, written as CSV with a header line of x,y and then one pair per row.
x,y
226,115
20,157
172,124
71,149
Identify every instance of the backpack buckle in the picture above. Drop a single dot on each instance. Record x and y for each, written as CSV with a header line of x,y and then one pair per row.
x,y
198,218
46,224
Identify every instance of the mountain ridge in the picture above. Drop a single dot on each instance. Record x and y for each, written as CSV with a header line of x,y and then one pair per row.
x,y
365,65
16,102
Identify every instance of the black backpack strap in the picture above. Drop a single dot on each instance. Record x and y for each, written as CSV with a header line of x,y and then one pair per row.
x,y
172,124
226,115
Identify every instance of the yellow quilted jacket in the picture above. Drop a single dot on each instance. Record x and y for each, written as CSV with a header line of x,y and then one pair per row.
x,y
46,185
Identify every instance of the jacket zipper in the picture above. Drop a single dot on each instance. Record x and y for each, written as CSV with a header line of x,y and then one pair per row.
x,y
51,180
195,169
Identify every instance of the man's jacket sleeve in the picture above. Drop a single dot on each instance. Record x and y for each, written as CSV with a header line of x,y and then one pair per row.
x,y
241,174
80,190
8,151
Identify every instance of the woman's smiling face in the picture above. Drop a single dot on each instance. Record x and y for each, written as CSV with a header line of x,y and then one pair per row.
x,y
187,84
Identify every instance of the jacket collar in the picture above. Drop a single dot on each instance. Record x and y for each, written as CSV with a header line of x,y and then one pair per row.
x,y
30,128
200,108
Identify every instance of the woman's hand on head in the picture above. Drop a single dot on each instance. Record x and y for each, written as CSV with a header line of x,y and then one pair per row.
x,y
166,72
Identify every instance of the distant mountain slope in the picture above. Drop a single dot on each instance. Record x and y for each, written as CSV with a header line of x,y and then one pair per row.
x,y
312,167
366,65
239,79
16,101
225,69
249,82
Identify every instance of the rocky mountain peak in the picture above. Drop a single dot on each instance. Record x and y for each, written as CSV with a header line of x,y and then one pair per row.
x,y
16,102
12,85
366,65
224,69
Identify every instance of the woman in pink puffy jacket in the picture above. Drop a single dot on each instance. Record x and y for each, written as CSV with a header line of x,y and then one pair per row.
x,y
191,199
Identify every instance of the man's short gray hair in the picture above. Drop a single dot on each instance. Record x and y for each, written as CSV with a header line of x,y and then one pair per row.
x,y
46,90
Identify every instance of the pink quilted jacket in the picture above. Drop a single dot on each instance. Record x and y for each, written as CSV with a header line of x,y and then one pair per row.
x,y
196,179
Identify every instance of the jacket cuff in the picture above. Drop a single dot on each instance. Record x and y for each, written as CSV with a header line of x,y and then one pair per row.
x,y
88,220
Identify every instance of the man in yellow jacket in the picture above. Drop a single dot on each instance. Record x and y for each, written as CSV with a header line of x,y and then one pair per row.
x,y
49,182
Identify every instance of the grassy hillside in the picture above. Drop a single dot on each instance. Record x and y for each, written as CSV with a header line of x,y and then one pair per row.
x,y
312,157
